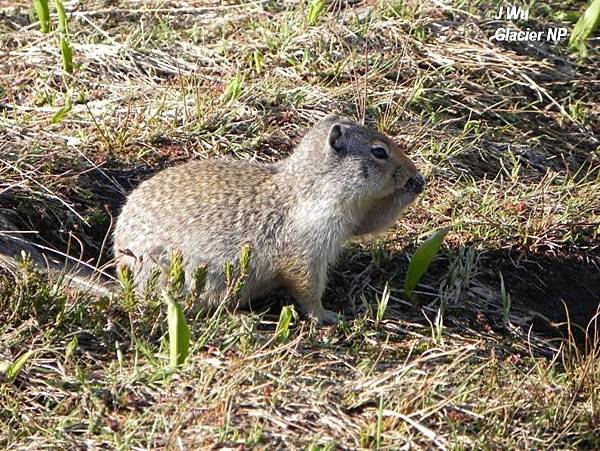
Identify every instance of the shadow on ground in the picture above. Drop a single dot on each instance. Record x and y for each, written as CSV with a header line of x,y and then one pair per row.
x,y
562,290
555,297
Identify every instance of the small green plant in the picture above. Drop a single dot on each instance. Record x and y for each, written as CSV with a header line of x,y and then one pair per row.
x,y
258,61
315,11
421,260
578,111
12,370
233,90
65,48
127,298
229,272
179,332
382,303
282,332
327,447
151,283
245,254
63,111
506,301
43,12
379,254
71,348
584,28
236,279
199,278
176,273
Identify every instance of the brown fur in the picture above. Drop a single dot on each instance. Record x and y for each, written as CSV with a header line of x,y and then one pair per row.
x,y
296,214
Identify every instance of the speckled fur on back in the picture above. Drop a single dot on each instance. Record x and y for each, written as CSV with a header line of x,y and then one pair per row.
x,y
295,214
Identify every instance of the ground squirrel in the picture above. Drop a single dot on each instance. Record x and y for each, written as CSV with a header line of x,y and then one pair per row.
x,y
342,180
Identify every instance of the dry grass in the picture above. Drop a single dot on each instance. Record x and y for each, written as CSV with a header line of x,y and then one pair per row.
x,y
506,133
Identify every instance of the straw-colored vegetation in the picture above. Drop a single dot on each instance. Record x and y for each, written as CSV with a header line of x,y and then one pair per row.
x,y
480,356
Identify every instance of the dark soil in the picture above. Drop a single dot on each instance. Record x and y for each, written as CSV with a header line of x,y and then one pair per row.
x,y
563,291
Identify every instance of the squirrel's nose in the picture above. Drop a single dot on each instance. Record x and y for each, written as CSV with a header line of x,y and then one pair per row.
x,y
416,184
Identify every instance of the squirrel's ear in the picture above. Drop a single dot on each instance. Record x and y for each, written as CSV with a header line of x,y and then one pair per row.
x,y
336,139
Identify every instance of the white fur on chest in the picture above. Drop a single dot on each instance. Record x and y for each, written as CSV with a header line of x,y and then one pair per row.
x,y
323,225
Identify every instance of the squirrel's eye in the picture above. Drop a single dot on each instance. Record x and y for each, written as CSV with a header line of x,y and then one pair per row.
x,y
379,152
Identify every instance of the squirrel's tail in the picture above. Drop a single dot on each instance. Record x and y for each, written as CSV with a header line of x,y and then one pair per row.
x,y
73,271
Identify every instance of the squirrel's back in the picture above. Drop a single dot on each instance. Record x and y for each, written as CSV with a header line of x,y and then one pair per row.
x,y
207,206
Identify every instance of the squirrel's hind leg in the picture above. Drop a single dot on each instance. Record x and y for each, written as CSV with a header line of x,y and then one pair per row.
x,y
307,283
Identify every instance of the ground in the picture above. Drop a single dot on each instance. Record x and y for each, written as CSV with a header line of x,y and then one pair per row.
x,y
483,355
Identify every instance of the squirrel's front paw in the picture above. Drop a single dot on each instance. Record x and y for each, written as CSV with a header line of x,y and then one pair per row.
x,y
326,318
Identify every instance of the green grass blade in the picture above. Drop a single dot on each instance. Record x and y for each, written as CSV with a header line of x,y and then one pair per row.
x,y
283,325
179,333
233,90
379,424
258,60
14,368
66,54
585,26
315,10
421,260
62,17
506,301
62,112
71,347
43,13
382,303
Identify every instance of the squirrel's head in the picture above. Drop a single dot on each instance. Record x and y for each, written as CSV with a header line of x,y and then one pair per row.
x,y
365,163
